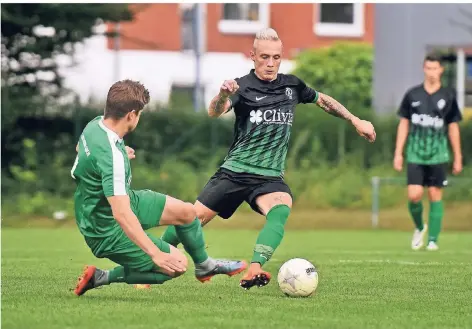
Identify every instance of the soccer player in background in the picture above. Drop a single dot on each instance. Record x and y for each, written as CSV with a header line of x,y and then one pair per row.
x,y
112,217
429,114
264,103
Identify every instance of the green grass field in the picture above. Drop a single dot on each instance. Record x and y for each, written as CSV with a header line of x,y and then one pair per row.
x,y
368,279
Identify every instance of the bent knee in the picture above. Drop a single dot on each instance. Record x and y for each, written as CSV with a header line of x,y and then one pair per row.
x,y
188,213
204,213
288,202
268,201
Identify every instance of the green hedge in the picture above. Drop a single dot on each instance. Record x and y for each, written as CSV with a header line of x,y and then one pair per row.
x,y
172,157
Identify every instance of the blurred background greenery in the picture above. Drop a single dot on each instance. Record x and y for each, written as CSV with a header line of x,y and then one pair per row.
x,y
178,149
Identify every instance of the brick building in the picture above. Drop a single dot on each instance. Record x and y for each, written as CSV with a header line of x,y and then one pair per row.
x,y
156,47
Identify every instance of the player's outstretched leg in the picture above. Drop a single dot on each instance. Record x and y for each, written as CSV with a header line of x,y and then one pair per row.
x,y
136,267
206,267
268,240
93,277
189,231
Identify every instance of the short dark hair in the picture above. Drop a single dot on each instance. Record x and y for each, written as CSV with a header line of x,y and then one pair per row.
x,y
433,57
125,96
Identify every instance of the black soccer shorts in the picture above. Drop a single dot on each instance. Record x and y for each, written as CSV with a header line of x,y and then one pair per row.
x,y
427,175
227,190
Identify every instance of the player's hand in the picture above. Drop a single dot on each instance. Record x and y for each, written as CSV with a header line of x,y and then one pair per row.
x,y
168,263
228,88
365,129
457,166
398,162
130,152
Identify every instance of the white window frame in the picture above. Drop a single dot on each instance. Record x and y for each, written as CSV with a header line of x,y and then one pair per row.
x,y
356,29
230,26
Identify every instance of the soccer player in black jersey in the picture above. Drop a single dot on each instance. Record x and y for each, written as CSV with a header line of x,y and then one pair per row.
x,y
264,103
429,114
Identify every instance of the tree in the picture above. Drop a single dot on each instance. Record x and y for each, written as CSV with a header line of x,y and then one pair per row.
x,y
33,35
343,71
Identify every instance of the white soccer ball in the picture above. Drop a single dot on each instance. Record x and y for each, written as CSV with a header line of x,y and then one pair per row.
x,y
298,278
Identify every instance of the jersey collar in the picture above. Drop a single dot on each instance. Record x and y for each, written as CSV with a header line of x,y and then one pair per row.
x,y
110,132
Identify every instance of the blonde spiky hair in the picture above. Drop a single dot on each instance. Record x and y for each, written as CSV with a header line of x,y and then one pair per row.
x,y
266,34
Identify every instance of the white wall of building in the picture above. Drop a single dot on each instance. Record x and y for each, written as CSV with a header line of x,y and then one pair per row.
x,y
94,70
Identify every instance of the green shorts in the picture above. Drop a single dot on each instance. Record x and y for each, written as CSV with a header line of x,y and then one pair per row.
x,y
148,206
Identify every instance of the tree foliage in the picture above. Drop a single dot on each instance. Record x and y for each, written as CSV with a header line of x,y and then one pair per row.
x,y
343,71
33,35
27,47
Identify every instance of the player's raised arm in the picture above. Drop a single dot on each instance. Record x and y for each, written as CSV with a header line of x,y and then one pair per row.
x,y
225,99
333,107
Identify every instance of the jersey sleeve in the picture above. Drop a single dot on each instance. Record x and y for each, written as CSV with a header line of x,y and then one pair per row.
x,y
454,114
234,99
405,107
306,94
111,166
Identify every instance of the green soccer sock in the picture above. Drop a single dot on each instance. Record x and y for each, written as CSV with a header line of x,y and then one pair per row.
x,y
271,235
116,275
416,212
121,274
436,213
170,236
191,236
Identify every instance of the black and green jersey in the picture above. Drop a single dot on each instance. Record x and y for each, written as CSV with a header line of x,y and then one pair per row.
x,y
264,115
429,116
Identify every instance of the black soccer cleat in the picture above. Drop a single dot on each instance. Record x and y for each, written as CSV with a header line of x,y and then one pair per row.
x,y
259,280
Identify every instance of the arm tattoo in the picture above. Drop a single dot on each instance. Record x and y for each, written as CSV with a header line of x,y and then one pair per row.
x,y
333,107
218,105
